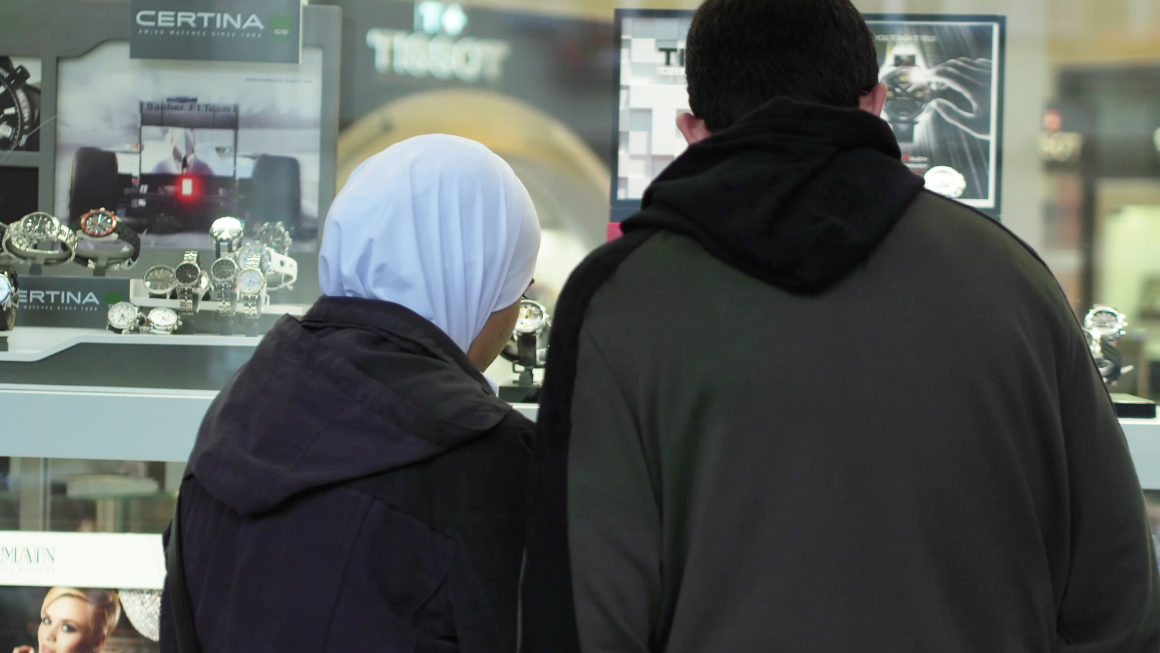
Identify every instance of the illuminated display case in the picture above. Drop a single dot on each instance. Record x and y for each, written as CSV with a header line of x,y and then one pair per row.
x,y
97,425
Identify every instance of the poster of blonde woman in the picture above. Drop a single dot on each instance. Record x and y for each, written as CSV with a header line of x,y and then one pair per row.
x,y
80,592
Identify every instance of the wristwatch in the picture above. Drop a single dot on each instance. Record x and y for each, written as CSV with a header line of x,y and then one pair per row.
x,y
1105,322
9,298
531,321
1103,326
5,257
251,288
226,232
25,239
123,317
103,227
281,271
160,280
274,235
223,274
907,94
162,321
19,109
191,282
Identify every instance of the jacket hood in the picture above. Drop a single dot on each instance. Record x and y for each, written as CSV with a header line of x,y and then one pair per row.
x,y
796,194
356,387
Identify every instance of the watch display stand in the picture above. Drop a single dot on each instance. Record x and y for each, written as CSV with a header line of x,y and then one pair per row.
x,y
3,343
1132,406
101,264
525,391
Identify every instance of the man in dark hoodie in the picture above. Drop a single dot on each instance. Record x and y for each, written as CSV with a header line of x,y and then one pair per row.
x,y
805,405
357,485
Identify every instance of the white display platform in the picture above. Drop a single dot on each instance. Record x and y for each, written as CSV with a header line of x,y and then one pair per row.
x,y
156,424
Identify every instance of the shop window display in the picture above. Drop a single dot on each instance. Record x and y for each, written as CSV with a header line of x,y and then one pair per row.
x,y
170,153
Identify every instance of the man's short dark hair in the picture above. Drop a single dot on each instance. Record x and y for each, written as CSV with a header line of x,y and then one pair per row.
x,y
742,53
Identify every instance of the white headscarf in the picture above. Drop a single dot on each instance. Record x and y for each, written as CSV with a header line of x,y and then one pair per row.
x,y
437,223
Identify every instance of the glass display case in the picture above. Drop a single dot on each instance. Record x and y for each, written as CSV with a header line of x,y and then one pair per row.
x,y
100,410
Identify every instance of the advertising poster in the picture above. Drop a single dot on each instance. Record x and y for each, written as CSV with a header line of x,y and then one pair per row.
x,y
943,100
19,104
80,592
173,145
943,76
651,94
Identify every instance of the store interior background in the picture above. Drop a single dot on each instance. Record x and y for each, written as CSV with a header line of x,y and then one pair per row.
x,y
1080,160
1080,151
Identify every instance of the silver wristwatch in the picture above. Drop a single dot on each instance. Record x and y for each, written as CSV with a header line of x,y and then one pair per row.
x,y
160,280
162,320
124,317
274,235
251,283
191,282
226,232
9,298
223,275
41,238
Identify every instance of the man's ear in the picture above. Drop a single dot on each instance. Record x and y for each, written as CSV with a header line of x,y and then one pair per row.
x,y
872,100
692,128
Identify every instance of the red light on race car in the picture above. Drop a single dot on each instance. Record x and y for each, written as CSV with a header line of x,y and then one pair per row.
x,y
186,188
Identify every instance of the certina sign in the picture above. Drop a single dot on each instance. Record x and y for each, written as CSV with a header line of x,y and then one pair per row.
x,y
198,20
217,30
68,301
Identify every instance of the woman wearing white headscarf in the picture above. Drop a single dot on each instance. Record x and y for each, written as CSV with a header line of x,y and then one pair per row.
x,y
358,483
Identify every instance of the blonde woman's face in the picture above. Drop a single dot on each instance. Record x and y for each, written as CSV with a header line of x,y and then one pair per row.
x,y
66,626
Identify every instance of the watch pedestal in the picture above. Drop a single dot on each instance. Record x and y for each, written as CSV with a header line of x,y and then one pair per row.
x,y
3,343
1132,406
518,394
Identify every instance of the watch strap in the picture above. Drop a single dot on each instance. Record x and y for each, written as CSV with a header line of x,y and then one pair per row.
x,y
121,232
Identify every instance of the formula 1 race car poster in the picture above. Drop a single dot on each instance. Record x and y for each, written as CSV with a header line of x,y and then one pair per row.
x,y
173,145
943,77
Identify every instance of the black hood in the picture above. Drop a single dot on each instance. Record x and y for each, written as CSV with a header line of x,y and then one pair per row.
x,y
355,388
795,194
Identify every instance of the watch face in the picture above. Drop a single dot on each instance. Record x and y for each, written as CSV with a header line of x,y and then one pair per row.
x,y
255,251
532,317
1105,322
226,228
188,274
906,96
5,288
163,318
223,269
160,279
98,222
39,224
123,316
274,235
250,281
